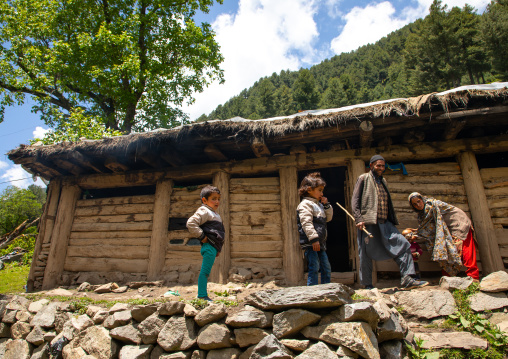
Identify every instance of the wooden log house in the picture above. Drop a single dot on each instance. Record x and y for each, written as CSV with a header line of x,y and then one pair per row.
x,y
117,207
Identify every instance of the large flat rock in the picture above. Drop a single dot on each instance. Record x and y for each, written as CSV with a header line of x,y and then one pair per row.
x,y
317,296
463,340
427,304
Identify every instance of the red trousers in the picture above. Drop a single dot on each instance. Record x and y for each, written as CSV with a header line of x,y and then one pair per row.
x,y
469,257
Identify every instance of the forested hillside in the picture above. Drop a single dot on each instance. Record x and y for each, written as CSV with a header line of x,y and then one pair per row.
x,y
446,49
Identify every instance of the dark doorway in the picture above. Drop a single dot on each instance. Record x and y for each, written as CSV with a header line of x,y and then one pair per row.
x,y
337,243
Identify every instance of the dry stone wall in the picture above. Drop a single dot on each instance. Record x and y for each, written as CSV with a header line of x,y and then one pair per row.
x,y
297,322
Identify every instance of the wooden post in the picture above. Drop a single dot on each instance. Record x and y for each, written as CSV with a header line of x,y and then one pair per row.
x,y
366,129
356,168
292,253
46,227
220,270
480,213
60,236
159,239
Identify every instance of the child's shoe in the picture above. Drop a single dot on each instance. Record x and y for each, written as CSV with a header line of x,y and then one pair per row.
x,y
207,298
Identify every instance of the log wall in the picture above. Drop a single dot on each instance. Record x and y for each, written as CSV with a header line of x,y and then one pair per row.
x,y
442,181
495,182
256,223
111,235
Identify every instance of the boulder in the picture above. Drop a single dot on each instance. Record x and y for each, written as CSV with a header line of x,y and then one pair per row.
x,y
135,352
36,336
214,336
178,333
358,312
59,292
211,313
100,316
141,312
106,288
24,316
119,307
462,340
393,349
17,349
357,336
249,336
345,353
295,344
316,296
3,307
20,330
127,334
190,311
70,352
38,305
118,319
495,282
85,287
394,328
41,352
150,328
171,308
292,321
10,316
382,310
319,350
18,302
5,330
96,341
488,301
427,304
452,283
91,310
228,353
250,317
45,317
270,347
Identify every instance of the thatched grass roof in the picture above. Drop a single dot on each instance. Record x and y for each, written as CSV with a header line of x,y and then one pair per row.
x,y
233,137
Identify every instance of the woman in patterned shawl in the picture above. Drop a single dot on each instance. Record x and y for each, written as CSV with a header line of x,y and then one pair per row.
x,y
448,233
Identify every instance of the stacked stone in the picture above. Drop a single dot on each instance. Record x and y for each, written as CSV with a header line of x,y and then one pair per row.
x,y
297,322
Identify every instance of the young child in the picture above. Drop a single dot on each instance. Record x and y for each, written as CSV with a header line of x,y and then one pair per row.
x,y
416,250
206,225
312,214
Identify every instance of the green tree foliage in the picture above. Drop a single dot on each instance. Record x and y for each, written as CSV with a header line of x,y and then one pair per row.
x,y
305,93
122,64
18,205
494,28
448,48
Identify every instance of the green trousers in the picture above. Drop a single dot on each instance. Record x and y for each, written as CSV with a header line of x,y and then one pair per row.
x,y
209,253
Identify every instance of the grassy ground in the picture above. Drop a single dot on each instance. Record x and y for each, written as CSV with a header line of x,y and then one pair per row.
x,y
13,277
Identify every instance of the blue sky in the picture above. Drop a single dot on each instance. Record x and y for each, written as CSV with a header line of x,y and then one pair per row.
x,y
257,38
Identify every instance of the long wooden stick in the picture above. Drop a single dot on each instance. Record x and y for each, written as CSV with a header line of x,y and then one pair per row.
x,y
353,218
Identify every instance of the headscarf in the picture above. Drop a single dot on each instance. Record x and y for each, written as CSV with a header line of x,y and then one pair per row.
x,y
432,227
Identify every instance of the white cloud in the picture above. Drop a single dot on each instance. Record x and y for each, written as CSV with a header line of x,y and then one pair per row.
x,y
366,25
3,165
19,177
40,132
263,37
333,7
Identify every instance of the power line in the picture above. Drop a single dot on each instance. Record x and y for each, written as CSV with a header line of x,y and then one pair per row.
x,y
12,133
21,179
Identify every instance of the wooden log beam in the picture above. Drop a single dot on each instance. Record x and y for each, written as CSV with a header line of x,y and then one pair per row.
x,y
292,254
220,271
115,165
69,166
413,136
484,227
85,161
214,153
475,112
297,149
366,131
256,166
260,148
172,156
45,227
151,157
453,128
160,229
60,236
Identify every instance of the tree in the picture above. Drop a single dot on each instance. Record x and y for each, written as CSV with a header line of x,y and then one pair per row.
x,y
127,64
265,99
16,206
334,95
305,94
494,29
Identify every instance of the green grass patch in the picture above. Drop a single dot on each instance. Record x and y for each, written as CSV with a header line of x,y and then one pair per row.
x,y
13,277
